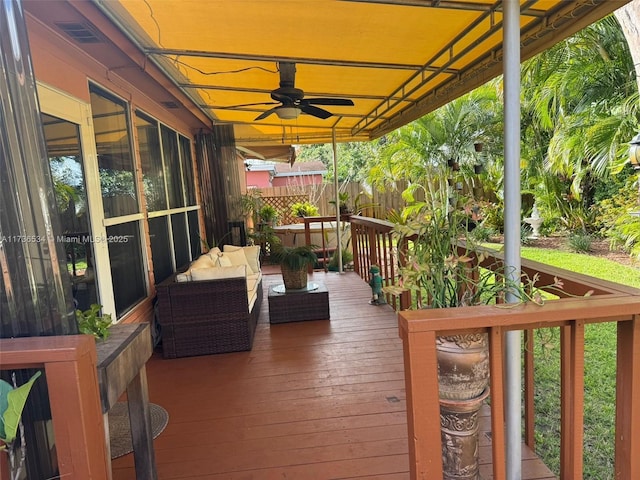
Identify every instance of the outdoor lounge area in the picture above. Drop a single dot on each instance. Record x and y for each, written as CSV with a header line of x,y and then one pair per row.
x,y
311,400
126,127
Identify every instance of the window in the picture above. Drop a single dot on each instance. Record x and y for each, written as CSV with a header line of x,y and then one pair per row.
x,y
194,233
169,189
125,256
151,159
65,162
172,167
187,170
160,248
118,185
115,161
180,239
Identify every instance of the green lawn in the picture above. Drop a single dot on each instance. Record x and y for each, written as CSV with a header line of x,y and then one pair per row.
x,y
600,359
586,264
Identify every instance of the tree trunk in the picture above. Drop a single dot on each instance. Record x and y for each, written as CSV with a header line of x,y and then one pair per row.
x,y
628,17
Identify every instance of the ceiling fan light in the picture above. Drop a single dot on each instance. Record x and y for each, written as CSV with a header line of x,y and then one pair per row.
x,y
288,113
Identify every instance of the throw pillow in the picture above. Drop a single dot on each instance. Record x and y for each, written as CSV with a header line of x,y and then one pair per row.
x,y
237,257
252,253
224,261
203,261
214,253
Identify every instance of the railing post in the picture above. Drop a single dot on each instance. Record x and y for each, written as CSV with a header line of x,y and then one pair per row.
x,y
403,248
421,381
373,244
529,404
307,239
627,446
572,399
355,231
496,352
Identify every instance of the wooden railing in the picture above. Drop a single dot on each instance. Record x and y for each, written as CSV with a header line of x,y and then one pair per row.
x,y
69,363
608,302
324,249
373,244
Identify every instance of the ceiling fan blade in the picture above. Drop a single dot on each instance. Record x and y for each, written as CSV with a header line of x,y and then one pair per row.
x,y
230,107
315,111
328,101
264,115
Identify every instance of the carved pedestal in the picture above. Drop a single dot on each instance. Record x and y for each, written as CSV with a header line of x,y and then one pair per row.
x,y
463,377
459,433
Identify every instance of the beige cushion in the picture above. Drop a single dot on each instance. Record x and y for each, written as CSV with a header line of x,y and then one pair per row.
x,y
217,273
203,261
214,253
251,285
184,277
254,276
224,261
237,257
252,299
252,253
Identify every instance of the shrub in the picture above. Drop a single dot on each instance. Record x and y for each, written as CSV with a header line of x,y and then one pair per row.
x,y
525,234
617,222
482,233
347,257
493,217
268,214
304,209
580,242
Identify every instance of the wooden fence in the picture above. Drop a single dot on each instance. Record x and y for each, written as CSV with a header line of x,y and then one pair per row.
x,y
376,205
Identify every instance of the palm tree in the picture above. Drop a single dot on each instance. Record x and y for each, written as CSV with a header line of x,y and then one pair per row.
x,y
425,146
580,108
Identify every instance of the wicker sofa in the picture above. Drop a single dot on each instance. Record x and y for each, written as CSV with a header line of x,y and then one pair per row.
x,y
212,307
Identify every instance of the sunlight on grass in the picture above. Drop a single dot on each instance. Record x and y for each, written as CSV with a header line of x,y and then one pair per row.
x,y
600,371
581,263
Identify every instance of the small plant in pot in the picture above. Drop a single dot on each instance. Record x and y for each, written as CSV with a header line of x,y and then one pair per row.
x,y
92,322
294,262
268,215
304,209
441,269
343,204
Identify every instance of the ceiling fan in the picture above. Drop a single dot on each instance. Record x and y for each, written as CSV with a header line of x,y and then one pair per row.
x,y
290,100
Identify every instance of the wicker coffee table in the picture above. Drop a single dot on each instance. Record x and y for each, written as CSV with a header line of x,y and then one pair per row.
x,y
298,305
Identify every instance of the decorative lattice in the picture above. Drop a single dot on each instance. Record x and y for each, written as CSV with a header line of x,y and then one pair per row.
x,y
283,206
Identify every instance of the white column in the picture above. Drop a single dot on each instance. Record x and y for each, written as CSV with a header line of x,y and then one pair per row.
x,y
512,220
337,198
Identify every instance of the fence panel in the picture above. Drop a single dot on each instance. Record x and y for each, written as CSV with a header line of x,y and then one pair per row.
x,y
376,205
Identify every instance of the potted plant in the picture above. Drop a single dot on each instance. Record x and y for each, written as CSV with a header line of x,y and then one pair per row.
x,y
343,203
268,215
304,209
92,322
442,271
294,262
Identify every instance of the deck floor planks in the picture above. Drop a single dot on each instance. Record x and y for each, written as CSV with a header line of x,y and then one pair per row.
x,y
312,400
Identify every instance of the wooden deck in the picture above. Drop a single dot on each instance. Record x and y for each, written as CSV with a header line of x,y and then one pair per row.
x,y
312,400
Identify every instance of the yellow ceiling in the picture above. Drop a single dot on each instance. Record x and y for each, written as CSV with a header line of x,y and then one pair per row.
x,y
396,59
